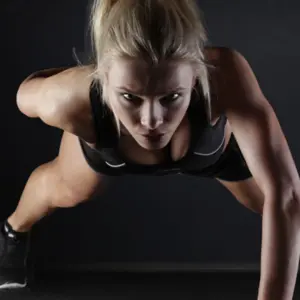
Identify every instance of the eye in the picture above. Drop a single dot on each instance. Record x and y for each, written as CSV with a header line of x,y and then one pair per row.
x,y
175,96
131,99
171,98
128,97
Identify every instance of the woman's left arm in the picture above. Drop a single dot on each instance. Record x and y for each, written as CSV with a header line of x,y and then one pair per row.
x,y
266,151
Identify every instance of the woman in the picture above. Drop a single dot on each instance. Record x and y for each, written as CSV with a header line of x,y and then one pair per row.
x,y
157,101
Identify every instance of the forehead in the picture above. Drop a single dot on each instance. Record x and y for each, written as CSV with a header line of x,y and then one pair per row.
x,y
138,75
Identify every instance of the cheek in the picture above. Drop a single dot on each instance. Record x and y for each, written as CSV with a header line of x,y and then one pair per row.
x,y
116,105
124,113
128,118
176,114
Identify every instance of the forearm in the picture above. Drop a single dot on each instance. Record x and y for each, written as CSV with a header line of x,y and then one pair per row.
x,y
280,253
41,91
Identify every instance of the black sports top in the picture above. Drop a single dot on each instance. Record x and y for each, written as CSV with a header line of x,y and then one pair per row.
x,y
206,143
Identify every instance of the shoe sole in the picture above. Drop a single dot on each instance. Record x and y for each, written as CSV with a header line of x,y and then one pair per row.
x,y
12,285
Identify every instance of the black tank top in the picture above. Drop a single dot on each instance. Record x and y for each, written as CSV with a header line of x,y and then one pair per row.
x,y
206,145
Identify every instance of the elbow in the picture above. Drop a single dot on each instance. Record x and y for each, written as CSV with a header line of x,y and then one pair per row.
x,y
25,101
21,103
288,203
292,206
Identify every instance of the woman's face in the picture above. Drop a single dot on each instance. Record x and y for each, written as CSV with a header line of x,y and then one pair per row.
x,y
150,101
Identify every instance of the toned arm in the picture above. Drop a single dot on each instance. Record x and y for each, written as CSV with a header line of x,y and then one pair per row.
x,y
60,98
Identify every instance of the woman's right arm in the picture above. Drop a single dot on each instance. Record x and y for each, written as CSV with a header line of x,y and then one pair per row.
x,y
60,98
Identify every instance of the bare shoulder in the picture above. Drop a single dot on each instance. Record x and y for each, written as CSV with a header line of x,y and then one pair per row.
x,y
213,59
213,54
219,55
72,110
221,60
79,118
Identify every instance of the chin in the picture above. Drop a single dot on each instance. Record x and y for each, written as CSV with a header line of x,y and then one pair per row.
x,y
153,145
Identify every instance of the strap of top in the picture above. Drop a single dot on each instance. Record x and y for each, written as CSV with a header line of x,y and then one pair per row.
x,y
106,135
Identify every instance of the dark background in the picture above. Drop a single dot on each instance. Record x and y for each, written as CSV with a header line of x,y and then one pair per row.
x,y
144,223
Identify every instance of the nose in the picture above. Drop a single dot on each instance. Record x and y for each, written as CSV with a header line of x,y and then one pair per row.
x,y
152,116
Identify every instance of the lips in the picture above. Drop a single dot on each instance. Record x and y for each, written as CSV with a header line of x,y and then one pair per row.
x,y
152,133
153,137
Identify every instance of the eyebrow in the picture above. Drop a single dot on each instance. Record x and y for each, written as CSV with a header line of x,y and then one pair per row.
x,y
136,92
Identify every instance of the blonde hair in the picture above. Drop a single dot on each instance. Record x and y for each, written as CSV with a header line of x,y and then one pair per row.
x,y
152,29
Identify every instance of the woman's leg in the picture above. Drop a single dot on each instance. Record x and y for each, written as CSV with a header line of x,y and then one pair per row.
x,y
64,182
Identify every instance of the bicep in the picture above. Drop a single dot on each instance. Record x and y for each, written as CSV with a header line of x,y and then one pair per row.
x,y
31,94
74,117
256,128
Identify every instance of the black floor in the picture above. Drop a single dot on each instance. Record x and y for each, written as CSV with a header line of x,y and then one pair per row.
x,y
142,286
